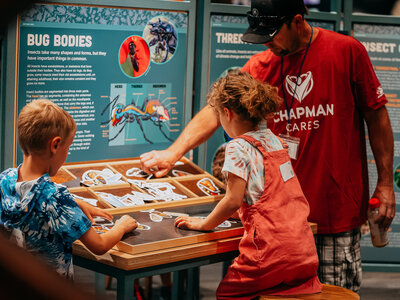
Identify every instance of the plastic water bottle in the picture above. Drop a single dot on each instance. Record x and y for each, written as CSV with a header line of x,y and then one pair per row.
x,y
379,236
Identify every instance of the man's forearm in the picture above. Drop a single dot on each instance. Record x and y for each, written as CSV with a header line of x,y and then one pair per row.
x,y
382,145
199,130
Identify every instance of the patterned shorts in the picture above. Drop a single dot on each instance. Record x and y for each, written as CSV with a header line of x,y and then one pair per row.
x,y
340,259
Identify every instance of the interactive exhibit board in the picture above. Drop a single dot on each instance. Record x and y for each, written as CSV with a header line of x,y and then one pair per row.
x,y
120,72
382,43
154,230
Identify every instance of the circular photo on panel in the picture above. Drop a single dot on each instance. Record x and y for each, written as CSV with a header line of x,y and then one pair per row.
x,y
162,38
134,56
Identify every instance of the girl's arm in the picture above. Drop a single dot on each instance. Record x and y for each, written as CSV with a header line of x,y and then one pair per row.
x,y
225,208
101,243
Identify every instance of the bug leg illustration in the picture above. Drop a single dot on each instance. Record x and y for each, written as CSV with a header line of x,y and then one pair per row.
x,y
158,124
124,122
111,103
139,121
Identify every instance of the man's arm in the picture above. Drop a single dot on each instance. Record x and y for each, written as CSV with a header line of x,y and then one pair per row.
x,y
381,141
199,129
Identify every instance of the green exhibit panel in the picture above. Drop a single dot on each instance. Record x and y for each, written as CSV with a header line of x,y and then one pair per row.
x,y
227,52
121,72
382,42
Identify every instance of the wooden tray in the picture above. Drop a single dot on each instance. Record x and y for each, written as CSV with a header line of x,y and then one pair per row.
x,y
184,185
87,193
164,234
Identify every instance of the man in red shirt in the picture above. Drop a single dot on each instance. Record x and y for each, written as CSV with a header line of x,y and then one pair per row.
x,y
329,89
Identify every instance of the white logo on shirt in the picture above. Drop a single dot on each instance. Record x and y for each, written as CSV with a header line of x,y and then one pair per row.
x,y
379,91
272,34
304,85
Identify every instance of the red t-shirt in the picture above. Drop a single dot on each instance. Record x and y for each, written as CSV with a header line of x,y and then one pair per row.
x,y
337,84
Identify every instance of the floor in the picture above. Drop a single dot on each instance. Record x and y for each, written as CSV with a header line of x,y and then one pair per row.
x,y
375,286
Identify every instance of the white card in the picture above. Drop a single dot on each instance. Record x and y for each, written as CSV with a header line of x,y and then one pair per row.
x,y
292,143
286,171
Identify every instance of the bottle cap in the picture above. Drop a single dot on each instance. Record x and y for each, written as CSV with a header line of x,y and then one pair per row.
x,y
374,203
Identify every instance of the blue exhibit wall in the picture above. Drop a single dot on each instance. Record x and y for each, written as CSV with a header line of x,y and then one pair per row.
x,y
125,101
70,55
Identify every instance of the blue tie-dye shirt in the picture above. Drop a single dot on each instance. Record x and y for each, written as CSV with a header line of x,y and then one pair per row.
x,y
48,217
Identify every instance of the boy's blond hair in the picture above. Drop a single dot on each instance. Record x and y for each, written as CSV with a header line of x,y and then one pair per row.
x,y
39,121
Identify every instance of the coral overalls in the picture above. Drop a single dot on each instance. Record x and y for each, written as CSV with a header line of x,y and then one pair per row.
x,y
277,251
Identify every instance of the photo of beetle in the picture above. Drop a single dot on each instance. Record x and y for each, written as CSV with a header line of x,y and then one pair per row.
x,y
162,38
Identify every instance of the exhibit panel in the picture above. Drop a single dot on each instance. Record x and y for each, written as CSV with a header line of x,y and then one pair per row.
x,y
110,68
226,51
382,42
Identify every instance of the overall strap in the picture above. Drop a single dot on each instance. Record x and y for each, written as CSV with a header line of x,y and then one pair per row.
x,y
255,143
285,146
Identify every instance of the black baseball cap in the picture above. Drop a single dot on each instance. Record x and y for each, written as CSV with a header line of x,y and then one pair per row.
x,y
266,18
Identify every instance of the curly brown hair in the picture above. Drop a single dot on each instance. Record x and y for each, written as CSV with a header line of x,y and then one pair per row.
x,y
249,98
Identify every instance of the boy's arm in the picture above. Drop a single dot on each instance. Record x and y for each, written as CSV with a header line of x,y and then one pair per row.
x,y
90,211
101,243
225,208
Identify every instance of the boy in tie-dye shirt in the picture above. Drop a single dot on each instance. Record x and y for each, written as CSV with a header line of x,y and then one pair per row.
x,y
43,214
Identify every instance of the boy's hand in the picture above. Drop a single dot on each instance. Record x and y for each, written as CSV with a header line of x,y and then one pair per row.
x,y
127,223
190,223
91,211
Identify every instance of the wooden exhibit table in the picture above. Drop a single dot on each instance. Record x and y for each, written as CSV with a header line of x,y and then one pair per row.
x,y
126,267
156,247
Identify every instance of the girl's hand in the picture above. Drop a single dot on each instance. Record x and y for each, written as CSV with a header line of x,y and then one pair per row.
x,y
127,223
190,223
91,211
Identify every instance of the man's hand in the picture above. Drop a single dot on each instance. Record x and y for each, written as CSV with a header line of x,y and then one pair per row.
x,y
91,211
158,163
388,205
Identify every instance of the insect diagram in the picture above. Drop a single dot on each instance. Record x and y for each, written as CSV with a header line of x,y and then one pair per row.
x,y
164,38
152,110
